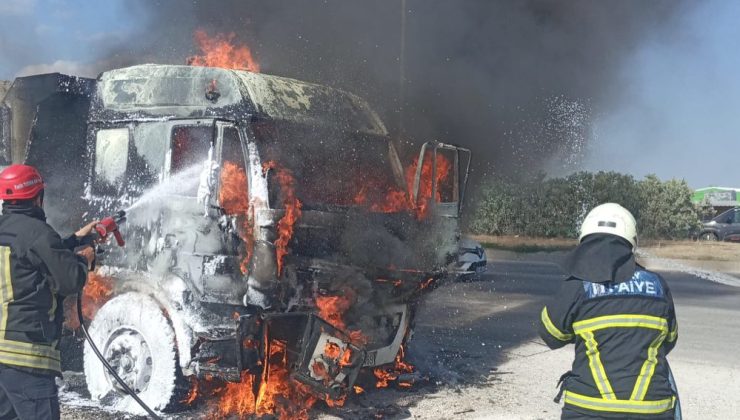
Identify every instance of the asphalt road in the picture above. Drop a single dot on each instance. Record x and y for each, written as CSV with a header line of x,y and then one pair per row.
x,y
476,344
507,372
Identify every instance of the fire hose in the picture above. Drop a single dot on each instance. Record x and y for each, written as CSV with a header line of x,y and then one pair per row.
x,y
105,228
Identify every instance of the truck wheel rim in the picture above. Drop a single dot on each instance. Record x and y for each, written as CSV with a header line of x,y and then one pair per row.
x,y
128,353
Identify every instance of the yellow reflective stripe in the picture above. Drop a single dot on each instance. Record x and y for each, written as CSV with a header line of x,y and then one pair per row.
x,y
53,308
674,333
6,288
552,329
620,321
597,368
648,368
16,359
29,349
619,406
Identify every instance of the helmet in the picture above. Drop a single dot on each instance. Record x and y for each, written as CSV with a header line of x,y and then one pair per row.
x,y
613,219
20,182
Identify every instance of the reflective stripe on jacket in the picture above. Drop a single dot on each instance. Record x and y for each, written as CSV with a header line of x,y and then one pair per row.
x,y
622,333
37,270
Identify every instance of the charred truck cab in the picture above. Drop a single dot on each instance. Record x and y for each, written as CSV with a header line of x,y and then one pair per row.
x,y
265,215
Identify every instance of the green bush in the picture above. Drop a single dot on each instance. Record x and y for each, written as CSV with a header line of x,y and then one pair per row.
x,y
555,207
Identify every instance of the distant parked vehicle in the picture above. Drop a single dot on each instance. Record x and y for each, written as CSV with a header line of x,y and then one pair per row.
x,y
471,260
725,227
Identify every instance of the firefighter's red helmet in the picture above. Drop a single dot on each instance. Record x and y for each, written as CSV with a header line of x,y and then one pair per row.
x,y
20,182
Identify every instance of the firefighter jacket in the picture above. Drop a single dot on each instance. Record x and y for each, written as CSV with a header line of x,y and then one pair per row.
x,y
622,331
37,270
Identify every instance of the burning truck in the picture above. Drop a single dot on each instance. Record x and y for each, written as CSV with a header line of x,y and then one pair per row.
x,y
276,246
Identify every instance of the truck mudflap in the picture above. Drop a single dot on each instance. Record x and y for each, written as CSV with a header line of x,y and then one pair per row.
x,y
323,357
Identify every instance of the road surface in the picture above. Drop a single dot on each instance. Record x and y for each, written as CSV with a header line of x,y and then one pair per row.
x,y
487,330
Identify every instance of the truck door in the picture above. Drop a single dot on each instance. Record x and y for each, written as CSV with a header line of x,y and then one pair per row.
x,y
440,180
228,206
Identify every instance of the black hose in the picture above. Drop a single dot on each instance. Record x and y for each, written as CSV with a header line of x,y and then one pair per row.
x,y
110,369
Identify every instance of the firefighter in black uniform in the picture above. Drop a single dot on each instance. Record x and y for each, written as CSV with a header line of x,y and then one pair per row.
x,y
622,321
37,270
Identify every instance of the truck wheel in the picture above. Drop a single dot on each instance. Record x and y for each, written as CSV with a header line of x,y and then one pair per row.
x,y
134,335
708,236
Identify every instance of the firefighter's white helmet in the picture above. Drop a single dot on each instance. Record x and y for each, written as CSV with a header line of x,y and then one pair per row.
x,y
613,219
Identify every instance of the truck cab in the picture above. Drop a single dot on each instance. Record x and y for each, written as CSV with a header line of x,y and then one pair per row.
x,y
263,213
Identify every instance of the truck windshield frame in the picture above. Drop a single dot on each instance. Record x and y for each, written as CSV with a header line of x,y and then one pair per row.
x,y
332,168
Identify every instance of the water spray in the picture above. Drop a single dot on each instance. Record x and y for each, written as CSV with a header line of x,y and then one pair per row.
x,y
106,227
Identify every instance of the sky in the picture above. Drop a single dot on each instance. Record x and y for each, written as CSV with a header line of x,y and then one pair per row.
x,y
680,106
60,35
676,96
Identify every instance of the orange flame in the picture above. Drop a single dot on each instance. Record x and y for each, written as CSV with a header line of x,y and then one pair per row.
x,y
238,398
424,194
332,350
220,50
397,200
386,375
233,197
97,291
426,283
279,393
333,308
193,393
292,206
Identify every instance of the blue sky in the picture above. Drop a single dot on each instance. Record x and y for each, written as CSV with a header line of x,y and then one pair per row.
x,y
679,114
36,34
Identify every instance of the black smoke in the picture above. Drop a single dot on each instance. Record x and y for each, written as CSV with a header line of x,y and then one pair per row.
x,y
494,76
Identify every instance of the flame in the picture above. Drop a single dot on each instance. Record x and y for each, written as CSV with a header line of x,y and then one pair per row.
x,y
424,194
332,350
220,50
237,397
358,389
193,393
97,291
426,283
386,375
332,309
233,198
396,283
292,206
279,393
397,200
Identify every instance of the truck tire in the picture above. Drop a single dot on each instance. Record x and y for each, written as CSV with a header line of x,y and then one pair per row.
x,y
136,338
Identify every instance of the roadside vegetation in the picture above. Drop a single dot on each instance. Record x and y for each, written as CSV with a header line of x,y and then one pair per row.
x,y
555,207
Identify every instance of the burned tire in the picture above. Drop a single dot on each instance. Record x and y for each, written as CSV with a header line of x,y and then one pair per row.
x,y
708,236
134,335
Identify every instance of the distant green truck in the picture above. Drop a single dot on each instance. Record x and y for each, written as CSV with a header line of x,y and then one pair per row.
x,y
721,198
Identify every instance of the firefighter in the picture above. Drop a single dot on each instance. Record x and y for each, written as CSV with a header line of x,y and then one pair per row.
x,y
621,319
37,270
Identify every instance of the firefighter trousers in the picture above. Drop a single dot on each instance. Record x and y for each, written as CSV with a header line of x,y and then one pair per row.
x,y
27,396
569,414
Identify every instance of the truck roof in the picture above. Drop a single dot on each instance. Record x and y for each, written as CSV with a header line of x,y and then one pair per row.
x,y
164,90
